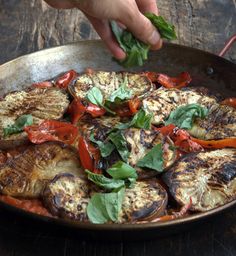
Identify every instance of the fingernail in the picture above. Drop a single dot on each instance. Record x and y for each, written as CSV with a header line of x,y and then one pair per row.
x,y
154,38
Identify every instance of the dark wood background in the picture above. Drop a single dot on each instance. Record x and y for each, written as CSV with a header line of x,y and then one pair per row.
x,y
26,26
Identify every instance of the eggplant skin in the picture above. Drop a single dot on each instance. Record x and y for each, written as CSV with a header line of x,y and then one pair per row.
x,y
42,104
220,122
145,201
27,174
67,196
209,178
108,82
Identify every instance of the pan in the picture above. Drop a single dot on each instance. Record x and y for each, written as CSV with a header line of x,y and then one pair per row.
x,y
206,69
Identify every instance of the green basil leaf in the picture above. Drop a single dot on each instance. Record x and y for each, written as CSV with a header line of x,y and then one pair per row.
x,y
104,207
153,159
20,123
94,95
122,93
141,120
118,139
165,29
137,51
121,170
105,148
105,182
184,116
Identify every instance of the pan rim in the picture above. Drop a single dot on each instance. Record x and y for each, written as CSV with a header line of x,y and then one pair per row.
x,y
113,226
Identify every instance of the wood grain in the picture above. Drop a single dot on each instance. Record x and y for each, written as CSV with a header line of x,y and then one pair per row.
x,y
28,26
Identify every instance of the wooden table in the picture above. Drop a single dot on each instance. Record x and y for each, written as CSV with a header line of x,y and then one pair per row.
x,y
26,26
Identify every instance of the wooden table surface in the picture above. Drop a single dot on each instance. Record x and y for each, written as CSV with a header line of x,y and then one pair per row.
x,y
26,26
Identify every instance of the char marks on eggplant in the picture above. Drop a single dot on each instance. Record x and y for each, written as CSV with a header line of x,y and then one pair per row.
x,y
208,178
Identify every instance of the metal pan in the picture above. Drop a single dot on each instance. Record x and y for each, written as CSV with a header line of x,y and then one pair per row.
x,y
209,70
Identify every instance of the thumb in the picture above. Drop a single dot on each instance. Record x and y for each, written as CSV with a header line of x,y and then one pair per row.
x,y
142,28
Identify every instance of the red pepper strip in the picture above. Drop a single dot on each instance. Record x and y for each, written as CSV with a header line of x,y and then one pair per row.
x,y
89,155
174,82
134,105
153,76
78,108
229,102
181,138
64,81
45,84
224,143
51,130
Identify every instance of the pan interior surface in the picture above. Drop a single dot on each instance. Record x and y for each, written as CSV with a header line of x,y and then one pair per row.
x,y
208,70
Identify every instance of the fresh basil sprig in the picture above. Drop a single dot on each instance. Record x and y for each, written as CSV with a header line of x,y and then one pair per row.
x,y
104,207
122,93
118,139
140,120
104,182
105,148
137,51
18,126
153,159
184,116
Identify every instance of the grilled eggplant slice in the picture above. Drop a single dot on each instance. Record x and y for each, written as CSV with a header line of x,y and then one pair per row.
x,y
140,142
108,82
209,178
67,196
50,103
220,122
26,175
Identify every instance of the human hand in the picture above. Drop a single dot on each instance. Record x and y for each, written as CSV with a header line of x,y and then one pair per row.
x,y
127,12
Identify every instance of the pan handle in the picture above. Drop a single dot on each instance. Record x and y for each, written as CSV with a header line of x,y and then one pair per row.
x,y
227,46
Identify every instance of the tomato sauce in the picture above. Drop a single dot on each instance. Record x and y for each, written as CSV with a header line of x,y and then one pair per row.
x,y
33,205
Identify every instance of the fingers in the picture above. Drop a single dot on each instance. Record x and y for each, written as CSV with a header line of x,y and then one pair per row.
x,y
65,4
147,6
141,27
104,31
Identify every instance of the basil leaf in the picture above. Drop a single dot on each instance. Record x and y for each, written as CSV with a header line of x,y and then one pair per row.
x,y
184,116
122,93
137,51
121,170
118,139
94,95
141,120
165,29
20,123
105,148
153,159
105,182
104,207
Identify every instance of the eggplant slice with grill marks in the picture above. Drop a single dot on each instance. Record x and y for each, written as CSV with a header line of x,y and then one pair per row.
x,y
42,104
67,196
220,122
108,82
26,174
209,178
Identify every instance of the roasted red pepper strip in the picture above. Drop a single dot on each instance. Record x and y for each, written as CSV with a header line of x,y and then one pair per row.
x,y
229,102
51,130
89,155
78,108
174,82
45,84
224,143
134,105
181,138
64,81
153,76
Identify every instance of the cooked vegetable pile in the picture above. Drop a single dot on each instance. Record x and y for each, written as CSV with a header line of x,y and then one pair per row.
x,y
110,147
